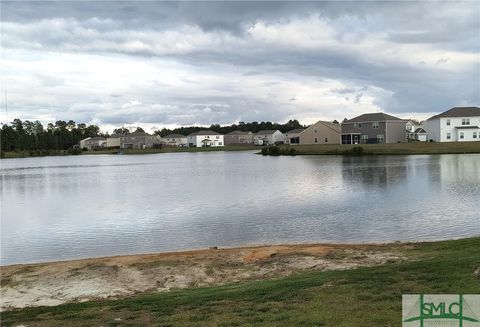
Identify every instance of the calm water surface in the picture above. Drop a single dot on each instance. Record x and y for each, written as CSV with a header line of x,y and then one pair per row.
x,y
56,208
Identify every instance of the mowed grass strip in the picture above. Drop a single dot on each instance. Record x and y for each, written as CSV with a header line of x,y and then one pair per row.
x,y
363,297
389,149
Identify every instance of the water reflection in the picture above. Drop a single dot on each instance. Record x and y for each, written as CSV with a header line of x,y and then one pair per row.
x,y
72,207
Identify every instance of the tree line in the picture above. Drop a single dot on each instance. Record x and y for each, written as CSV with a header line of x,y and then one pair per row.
x,y
33,136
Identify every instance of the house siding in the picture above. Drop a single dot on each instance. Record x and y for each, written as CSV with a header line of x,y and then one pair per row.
x,y
325,134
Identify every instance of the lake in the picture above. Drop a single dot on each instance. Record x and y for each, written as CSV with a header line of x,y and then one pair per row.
x,y
58,208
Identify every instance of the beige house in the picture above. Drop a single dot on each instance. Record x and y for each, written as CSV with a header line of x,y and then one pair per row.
x,y
175,140
238,137
322,132
113,141
293,136
91,143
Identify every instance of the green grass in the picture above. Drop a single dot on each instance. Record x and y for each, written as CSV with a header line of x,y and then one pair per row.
x,y
388,149
363,297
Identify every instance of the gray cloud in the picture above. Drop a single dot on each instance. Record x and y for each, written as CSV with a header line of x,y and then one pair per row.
x,y
219,62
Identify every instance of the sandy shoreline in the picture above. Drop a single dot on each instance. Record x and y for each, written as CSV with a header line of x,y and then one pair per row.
x,y
54,283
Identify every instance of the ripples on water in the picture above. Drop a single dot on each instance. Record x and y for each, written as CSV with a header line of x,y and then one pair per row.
x,y
57,208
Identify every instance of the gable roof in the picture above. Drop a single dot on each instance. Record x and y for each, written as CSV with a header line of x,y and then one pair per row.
x,y
238,133
174,136
333,126
136,134
205,132
268,131
420,131
459,112
295,131
376,116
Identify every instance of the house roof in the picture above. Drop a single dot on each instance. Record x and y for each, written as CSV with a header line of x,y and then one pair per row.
x,y
97,138
204,133
238,133
174,136
267,131
420,131
295,131
137,134
114,136
376,116
459,112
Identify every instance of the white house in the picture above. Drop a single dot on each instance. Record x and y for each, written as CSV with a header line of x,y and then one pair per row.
x,y
205,139
267,137
459,124
91,143
175,140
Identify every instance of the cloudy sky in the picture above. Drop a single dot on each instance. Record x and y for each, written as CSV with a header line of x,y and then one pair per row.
x,y
164,64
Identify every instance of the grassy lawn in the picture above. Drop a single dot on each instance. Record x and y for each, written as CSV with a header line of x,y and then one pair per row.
x,y
362,297
397,148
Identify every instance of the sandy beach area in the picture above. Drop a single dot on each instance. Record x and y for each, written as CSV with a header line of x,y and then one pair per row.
x,y
54,283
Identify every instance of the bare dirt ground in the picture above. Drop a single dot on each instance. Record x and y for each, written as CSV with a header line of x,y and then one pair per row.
x,y
55,283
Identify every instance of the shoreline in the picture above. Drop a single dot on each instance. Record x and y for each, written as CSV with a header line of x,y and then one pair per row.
x,y
58,282
414,148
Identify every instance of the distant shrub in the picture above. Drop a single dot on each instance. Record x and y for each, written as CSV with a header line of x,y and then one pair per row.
x,y
278,151
75,151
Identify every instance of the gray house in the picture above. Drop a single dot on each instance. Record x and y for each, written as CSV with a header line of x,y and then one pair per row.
x,y
138,140
238,137
374,128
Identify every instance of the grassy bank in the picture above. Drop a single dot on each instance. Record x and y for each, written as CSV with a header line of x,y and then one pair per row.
x,y
384,149
26,154
368,296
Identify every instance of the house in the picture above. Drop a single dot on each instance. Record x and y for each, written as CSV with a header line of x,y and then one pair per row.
x,y
205,139
238,137
458,124
91,143
113,141
293,136
374,128
138,140
415,131
175,140
322,132
267,137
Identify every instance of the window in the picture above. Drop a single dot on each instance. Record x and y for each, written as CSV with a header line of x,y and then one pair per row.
x,y
462,135
474,135
359,125
364,138
448,122
217,137
219,143
326,140
465,121
380,138
355,125
375,124
315,130
449,136
316,140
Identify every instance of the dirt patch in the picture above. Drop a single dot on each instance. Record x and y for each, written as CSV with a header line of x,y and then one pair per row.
x,y
113,277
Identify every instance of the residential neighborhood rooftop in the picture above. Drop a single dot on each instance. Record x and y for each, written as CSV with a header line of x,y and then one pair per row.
x,y
376,116
204,132
296,131
267,131
174,136
238,133
458,112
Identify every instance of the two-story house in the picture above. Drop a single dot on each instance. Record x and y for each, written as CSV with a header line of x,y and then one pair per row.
x,y
205,139
458,124
374,128
238,137
175,140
